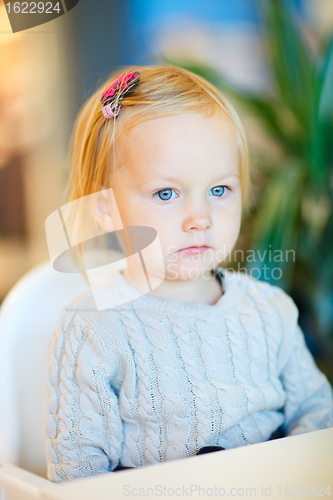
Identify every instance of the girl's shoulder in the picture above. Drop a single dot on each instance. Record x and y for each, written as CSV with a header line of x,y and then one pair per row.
x,y
264,294
275,308
83,317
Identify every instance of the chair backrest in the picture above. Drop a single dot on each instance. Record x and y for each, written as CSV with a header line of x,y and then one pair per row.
x,y
28,317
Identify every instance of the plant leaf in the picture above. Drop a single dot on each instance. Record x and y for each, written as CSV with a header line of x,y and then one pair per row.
x,y
275,226
292,63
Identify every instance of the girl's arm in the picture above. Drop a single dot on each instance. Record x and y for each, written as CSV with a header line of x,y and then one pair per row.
x,y
83,424
309,403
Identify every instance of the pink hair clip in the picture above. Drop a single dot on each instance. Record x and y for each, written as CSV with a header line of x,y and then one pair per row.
x,y
117,90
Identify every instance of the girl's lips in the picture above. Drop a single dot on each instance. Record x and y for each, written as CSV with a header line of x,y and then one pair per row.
x,y
193,250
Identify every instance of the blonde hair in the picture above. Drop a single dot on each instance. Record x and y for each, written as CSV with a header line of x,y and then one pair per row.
x,y
162,91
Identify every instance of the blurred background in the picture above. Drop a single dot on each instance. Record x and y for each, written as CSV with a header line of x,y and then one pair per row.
x,y
274,60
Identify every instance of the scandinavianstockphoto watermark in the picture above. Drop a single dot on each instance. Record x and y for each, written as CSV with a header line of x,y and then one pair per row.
x,y
24,15
237,256
197,490
264,272
187,491
268,262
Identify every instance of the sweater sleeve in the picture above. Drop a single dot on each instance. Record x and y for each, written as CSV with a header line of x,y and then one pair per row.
x,y
83,424
309,403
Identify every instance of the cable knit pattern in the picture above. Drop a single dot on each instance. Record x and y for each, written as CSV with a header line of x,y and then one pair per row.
x,y
202,416
154,380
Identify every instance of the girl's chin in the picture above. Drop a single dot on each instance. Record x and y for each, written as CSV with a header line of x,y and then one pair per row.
x,y
188,273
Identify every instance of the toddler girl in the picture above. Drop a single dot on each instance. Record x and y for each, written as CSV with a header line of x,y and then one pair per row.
x,y
205,357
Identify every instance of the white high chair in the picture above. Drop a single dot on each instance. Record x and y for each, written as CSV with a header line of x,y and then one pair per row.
x,y
28,317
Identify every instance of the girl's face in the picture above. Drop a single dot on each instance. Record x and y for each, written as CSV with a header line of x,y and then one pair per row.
x,y
181,176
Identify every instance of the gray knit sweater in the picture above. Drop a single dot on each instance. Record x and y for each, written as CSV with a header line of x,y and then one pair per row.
x,y
155,380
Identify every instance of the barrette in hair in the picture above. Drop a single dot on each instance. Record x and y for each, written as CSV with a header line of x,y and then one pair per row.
x,y
117,90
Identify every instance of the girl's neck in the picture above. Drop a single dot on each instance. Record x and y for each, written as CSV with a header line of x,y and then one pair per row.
x,y
207,291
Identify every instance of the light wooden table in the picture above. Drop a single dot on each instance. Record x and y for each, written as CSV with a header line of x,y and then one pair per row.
x,y
297,466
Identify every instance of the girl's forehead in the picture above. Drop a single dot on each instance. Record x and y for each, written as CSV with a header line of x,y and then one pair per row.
x,y
173,133
181,141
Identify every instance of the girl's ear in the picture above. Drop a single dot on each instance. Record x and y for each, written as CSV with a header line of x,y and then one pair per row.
x,y
101,210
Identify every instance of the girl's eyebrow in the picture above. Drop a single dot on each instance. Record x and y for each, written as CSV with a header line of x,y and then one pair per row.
x,y
230,174
159,179
171,179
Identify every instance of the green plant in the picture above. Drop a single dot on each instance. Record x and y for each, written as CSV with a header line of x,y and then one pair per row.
x,y
294,207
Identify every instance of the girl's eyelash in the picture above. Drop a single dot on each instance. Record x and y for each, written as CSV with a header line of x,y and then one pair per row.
x,y
170,189
225,187
161,191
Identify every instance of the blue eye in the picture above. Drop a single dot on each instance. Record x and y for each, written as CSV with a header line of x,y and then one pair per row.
x,y
219,190
164,194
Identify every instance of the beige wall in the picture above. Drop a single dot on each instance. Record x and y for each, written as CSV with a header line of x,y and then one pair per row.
x,y
39,71
321,14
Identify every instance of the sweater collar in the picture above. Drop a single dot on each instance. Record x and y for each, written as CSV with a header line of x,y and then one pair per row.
x,y
230,283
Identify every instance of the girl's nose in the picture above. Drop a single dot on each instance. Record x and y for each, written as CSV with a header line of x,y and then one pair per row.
x,y
197,221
